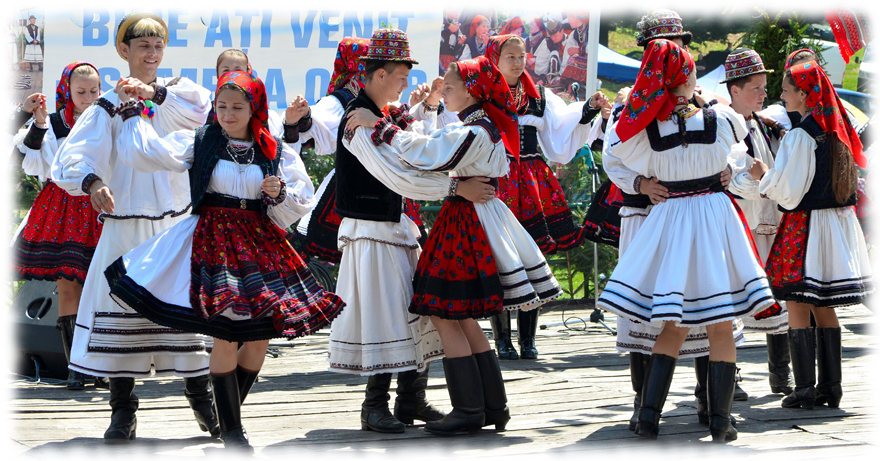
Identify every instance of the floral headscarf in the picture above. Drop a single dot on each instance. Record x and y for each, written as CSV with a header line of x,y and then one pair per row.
x,y
512,25
493,52
826,108
485,83
347,66
256,93
664,66
63,101
791,56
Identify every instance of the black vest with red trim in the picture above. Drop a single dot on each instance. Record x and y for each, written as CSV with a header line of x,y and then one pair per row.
x,y
820,195
359,194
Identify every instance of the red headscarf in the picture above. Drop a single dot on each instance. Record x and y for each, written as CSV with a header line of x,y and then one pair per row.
x,y
485,83
512,25
63,100
256,93
791,56
493,52
826,108
347,66
475,23
664,66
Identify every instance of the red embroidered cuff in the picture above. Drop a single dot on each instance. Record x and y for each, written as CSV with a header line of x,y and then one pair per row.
x,y
401,116
384,131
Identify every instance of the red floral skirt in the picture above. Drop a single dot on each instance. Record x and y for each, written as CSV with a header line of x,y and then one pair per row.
x,y
535,197
602,222
242,261
456,277
785,264
321,236
59,238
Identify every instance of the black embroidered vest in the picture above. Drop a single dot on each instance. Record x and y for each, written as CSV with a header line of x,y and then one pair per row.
x,y
820,195
58,127
344,95
210,147
528,135
359,195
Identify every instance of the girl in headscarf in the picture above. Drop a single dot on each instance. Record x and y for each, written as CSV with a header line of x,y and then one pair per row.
x,y
819,260
514,26
59,235
320,227
550,127
478,259
668,275
226,271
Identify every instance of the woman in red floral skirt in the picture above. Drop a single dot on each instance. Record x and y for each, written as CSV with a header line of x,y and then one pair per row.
x,y
59,238
226,271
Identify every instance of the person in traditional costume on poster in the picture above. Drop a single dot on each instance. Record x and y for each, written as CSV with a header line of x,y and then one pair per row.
x,y
478,38
664,277
479,260
746,79
110,341
818,261
33,51
451,39
227,270
548,127
320,124
376,335
544,44
60,232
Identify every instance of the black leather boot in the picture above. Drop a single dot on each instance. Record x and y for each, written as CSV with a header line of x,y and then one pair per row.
x,y
466,393
658,378
739,394
494,395
201,399
721,383
803,365
375,415
76,381
638,365
411,403
501,332
828,359
228,400
778,359
246,379
124,404
701,369
526,327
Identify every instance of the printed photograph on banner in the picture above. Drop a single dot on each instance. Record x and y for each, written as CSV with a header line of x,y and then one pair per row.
x,y
25,51
556,43
291,50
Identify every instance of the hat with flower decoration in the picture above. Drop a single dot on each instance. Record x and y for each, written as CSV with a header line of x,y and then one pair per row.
x,y
661,23
743,62
389,45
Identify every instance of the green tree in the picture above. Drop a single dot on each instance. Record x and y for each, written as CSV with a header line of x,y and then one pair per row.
x,y
773,39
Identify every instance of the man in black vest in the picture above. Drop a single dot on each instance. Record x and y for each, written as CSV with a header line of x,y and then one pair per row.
x,y
746,79
375,335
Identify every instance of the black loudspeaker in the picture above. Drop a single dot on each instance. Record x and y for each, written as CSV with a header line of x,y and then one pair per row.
x,y
34,313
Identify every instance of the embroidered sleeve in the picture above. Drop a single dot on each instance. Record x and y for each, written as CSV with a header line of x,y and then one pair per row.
x,y
384,131
305,123
588,114
159,94
34,138
291,133
268,200
87,182
130,109
107,106
401,116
